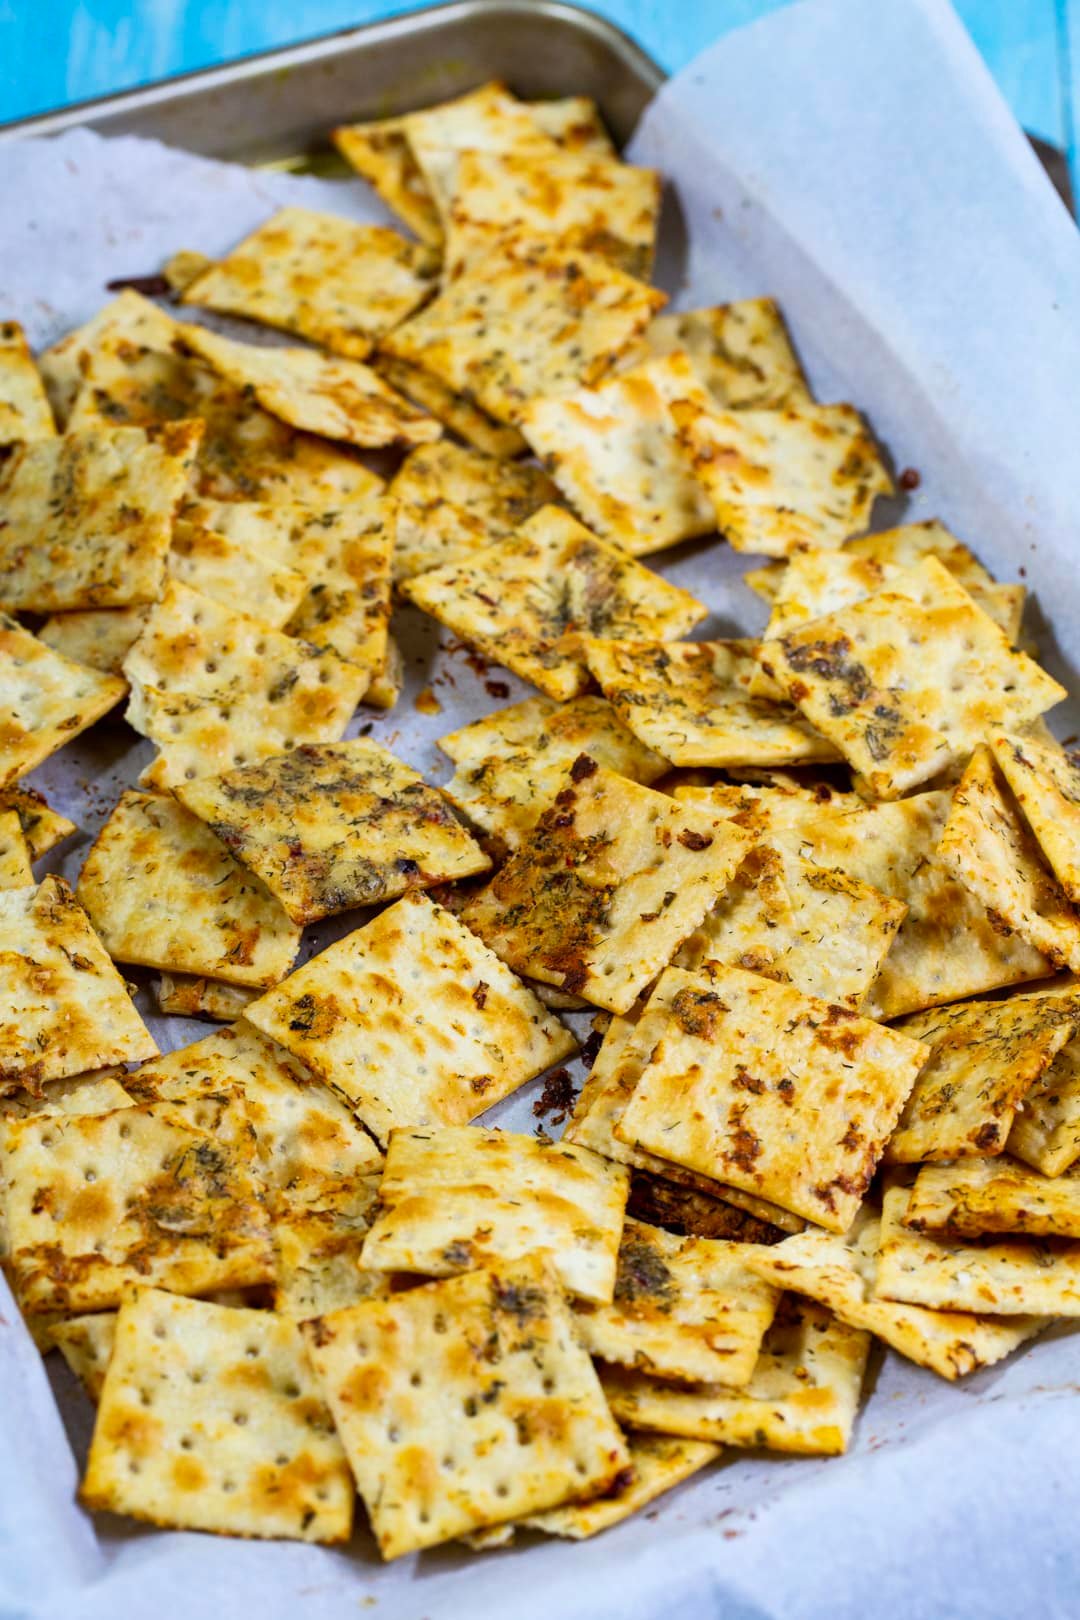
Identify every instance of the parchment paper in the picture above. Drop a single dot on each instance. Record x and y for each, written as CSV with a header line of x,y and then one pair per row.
x,y
853,158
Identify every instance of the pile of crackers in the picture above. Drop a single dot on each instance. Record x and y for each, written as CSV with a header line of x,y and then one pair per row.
x,y
809,897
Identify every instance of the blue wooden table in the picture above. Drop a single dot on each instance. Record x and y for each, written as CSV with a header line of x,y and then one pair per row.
x,y
53,52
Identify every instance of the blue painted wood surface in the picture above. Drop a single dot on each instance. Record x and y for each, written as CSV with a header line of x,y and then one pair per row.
x,y
53,52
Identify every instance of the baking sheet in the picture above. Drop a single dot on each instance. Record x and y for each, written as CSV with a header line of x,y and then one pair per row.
x,y
856,162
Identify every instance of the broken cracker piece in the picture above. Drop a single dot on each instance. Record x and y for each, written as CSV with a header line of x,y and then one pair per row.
x,y
449,501
987,1197
741,352
24,406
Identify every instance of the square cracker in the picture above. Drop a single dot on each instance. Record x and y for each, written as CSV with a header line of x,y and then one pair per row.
x,y
989,847
24,405
66,1010
164,892
578,199
840,1272
340,284
823,932
511,763
908,681
1009,1276
211,1419
215,689
613,452
381,153
86,1344
310,1146
754,1083
318,393
444,1442
186,997
741,352
1045,781
461,1197
86,520
99,638
487,119
659,1462
530,601
802,1398
129,316
328,828
167,1193
782,480
318,1254
15,870
348,606
1046,1129
985,1197
528,318
684,1308
219,567
449,501
984,1057
605,887
691,701
455,410
413,1021
42,826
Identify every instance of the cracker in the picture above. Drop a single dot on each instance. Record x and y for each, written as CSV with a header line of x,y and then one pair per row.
x,y
217,566
310,1146
443,1443
129,316
511,763
164,892
307,537
782,480
96,1093
42,826
380,152
684,1308
574,122
984,1197
840,1272
86,1344
802,1398
337,399
907,682
340,284
606,886
329,828
984,1057
529,601
823,932
86,520
348,608
318,1255
389,680
529,318
15,870
455,410
741,352
577,199
215,689
413,1021
1045,781
211,1419
185,997
165,1193
1046,1129
24,406
690,701
691,1213
459,1197
756,1084
659,1463
100,638
1009,1277
613,452
449,501
66,1010
488,119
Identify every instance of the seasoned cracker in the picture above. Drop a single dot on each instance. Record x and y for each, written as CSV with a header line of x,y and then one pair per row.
x,y
604,888
309,538
24,406
1045,781
488,119
1046,1129
15,870
741,352
984,1058
530,601
100,638
802,1398
454,410
659,1463
413,1021
42,826
458,1197
389,680
96,1093
186,997
782,480
614,453
86,520
348,607
529,318
908,681
381,153
756,1084
840,1272
511,763
86,1344
443,1443
66,1010
217,566
329,828
983,1197
318,1255
340,284
449,501
215,689
691,1213
130,317
211,1419
684,1308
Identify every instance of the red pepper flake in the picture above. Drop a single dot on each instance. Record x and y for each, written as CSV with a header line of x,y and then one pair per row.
x,y
558,1094
583,767
910,478
497,689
